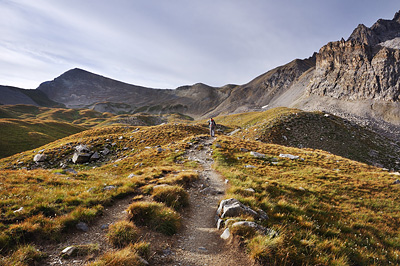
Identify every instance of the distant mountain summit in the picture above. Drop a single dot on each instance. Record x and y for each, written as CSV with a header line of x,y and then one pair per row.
x,y
78,88
357,78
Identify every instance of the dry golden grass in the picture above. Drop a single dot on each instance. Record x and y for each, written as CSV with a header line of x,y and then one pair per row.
x,y
122,233
156,216
328,210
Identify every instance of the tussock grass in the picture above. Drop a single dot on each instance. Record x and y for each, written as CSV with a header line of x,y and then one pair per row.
x,y
173,196
328,210
126,256
122,233
156,216
185,178
26,255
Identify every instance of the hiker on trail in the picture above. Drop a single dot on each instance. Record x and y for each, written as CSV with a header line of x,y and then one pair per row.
x,y
212,125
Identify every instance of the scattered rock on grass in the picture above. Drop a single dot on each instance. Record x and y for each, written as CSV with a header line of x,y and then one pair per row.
x,y
257,154
109,187
289,156
80,157
234,208
39,158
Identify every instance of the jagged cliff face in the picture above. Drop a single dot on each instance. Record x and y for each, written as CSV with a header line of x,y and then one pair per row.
x,y
366,66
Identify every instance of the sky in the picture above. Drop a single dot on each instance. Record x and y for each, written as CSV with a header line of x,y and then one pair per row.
x,y
167,44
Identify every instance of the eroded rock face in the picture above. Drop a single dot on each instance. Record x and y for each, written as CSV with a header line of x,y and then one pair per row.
x,y
366,66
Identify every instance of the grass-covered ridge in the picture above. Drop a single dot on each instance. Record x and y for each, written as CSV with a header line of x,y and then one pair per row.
x,y
328,210
25,127
43,201
21,135
316,130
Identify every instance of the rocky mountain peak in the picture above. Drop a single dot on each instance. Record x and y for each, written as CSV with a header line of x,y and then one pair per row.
x,y
365,67
397,17
381,31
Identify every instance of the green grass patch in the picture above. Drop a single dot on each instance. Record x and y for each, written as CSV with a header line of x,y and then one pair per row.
x,y
172,196
122,233
126,256
156,216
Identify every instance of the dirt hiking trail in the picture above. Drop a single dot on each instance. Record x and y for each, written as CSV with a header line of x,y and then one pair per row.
x,y
199,242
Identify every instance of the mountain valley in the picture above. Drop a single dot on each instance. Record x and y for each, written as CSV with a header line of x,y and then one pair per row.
x,y
94,171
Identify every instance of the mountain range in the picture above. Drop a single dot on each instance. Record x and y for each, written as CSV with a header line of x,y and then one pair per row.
x,y
357,78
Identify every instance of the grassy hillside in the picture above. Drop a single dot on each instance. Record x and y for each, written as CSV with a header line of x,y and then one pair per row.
x,y
317,130
83,117
44,201
25,127
21,135
326,209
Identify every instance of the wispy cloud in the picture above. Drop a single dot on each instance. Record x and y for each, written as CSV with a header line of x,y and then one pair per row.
x,y
166,44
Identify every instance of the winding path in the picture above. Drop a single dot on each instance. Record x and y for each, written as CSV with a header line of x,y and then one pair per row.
x,y
199,242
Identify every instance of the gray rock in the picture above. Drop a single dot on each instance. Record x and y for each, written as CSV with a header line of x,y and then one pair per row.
x,y
249,166
218,145
397,182
105,151
68,251
95,156
131,175
82,148
220,223
250,190
226,234
39,158
244,150
234,208
80,158
104,227
70,170
19,210
289,156
82,226
257,154
109,187
257,227
143,261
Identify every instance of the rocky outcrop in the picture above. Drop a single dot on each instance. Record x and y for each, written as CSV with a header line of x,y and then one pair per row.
x,y
351,70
